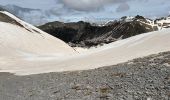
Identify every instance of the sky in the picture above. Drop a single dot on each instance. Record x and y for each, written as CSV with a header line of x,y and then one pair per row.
x,y
89,9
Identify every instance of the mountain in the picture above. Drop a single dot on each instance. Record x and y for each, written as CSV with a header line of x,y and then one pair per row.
x,y
33,16
84,34
19,39
62,72
36,55
163,22
26,50
16,10
1,9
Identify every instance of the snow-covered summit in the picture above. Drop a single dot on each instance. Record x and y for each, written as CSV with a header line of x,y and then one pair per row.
x,y
163,22
159,23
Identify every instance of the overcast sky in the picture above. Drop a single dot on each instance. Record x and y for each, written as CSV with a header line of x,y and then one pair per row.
x,y
96,8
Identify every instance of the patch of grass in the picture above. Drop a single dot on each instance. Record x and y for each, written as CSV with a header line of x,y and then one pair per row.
x,y
88,93
119,74
104,90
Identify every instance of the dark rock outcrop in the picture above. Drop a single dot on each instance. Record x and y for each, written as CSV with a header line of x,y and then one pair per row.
x,y
84,34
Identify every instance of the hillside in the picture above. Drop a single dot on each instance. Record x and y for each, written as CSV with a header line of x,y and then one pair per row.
x,y
110,54
83,34
37,66
84,50
19,38
140,79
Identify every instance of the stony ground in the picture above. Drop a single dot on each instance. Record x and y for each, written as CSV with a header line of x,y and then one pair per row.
x,y
140,79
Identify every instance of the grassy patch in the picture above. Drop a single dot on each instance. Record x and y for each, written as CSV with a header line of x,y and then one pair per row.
x,y
119,74
104,90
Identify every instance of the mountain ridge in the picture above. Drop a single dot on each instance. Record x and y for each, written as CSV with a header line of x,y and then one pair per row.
x,y
85,34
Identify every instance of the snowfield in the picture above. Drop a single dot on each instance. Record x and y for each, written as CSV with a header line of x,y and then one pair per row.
x,y
17,39
29,40
26,52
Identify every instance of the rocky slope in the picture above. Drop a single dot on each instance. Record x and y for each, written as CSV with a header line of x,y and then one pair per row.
x,y
140,79
84,34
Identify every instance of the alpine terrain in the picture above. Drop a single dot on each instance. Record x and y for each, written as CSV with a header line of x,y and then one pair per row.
x,y
84,34
128,59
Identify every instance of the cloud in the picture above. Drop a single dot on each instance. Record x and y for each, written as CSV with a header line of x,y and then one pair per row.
x,y
75,10
123,7
88,5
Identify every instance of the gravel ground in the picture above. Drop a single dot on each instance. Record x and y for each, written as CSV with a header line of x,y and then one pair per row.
x,y
140,79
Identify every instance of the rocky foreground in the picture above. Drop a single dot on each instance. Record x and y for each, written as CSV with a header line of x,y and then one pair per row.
x,y
140,79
